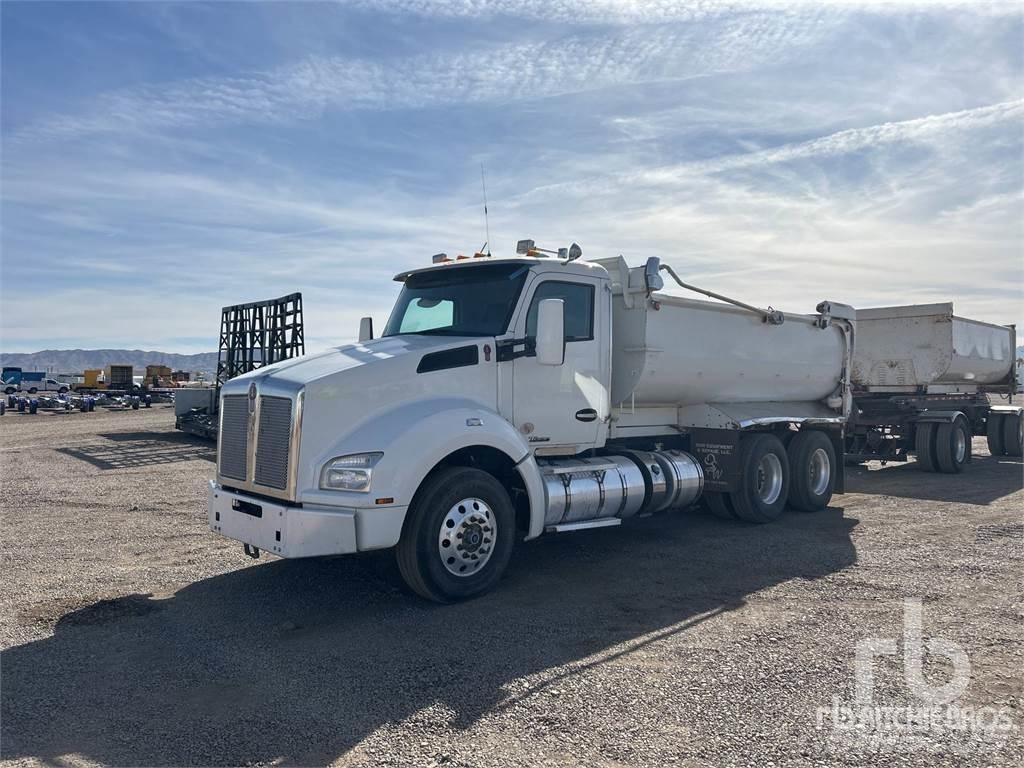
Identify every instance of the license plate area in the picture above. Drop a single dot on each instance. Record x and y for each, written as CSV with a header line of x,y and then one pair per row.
x,y
247,507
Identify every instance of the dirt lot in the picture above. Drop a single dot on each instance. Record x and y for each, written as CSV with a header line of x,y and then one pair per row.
x,y
133,636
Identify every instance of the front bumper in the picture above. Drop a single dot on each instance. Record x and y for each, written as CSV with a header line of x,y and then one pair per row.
x,y
286,531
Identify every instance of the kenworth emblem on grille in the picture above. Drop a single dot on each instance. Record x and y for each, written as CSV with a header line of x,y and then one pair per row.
x,y
252,398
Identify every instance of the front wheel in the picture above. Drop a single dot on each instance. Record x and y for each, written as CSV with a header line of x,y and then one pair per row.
x,y
458,535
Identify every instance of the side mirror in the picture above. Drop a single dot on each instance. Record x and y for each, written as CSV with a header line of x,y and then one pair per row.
x,y
551,332
365,329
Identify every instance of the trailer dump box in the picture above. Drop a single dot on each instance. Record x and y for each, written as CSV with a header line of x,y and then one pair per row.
x,y
926,346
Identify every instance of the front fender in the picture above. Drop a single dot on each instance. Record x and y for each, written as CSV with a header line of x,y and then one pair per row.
x,y
414,437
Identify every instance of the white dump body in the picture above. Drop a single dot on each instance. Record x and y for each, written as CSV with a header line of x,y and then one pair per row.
x,y
926,345
689,352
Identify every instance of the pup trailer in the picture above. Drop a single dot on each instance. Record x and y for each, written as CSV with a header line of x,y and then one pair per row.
x,y
513,397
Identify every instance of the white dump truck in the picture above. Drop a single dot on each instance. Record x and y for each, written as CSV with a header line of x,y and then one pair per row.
x,y
512,397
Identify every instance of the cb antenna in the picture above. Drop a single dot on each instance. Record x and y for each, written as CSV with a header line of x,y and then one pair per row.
x,y
487,225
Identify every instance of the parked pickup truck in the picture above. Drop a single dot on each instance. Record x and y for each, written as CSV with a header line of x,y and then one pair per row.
x,y
510,398
32,382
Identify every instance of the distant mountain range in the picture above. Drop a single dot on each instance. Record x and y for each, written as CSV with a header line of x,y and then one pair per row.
x,y
77,360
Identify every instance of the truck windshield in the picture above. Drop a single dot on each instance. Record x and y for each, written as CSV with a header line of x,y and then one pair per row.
x,y
471,301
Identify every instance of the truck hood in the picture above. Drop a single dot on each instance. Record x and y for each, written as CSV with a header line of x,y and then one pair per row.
x,y
369,389
308,369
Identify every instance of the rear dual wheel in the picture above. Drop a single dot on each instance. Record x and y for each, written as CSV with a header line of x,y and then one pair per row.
x,y
1005,433
761,492
943,447
771,475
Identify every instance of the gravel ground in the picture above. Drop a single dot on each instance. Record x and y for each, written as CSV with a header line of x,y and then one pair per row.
x,y
133,636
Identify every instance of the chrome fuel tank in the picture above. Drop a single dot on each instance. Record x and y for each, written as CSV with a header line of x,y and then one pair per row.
x,y
581,489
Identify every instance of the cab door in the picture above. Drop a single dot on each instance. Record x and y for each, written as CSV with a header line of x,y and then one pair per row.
x,y
563,409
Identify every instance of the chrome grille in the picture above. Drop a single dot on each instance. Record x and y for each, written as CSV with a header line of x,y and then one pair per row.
x,y
274,442
234,436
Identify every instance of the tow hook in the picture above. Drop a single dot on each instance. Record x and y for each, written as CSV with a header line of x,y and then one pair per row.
x,y
253,552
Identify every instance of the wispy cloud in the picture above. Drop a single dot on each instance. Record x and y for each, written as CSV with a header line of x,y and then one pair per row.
x,y
780,153
493,75
654,11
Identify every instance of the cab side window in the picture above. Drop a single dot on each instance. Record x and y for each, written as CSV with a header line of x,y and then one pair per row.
x,y
578,301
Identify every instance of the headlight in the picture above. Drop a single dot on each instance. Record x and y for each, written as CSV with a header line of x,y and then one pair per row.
x,y
349,473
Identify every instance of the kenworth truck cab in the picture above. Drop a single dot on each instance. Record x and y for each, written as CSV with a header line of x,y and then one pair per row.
x,y
509,397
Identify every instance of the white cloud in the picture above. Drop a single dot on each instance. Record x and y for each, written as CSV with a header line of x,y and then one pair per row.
x,y
657,11
494,75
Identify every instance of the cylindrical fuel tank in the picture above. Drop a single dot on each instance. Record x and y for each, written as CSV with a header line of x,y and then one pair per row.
x,y
580,489
677,351
591,488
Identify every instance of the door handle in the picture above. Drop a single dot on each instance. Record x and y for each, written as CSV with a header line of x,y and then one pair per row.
x,y
586,414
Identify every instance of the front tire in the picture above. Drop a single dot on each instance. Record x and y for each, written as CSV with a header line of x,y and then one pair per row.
x,y
458,535
812,463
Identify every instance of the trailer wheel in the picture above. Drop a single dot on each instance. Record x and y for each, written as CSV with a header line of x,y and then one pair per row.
x,y
764,479
458,535
994,433
1013,434
812,462
953,446
720,505
924,446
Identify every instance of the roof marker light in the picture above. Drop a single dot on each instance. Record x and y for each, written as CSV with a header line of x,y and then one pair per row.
x,y
439,258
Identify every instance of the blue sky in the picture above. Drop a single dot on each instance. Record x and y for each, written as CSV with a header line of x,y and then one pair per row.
x,y
162,160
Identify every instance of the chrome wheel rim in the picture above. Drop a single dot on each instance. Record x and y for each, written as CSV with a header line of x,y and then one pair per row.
x,y
769,478
820,469
466,540
959,445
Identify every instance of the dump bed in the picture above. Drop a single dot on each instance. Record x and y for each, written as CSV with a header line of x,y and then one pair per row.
x,y
926,346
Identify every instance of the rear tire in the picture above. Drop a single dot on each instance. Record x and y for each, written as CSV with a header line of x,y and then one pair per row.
x,y
720,505
994,433
32,390
1013,434
924,446
458,535
812,466
953,446
764,479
